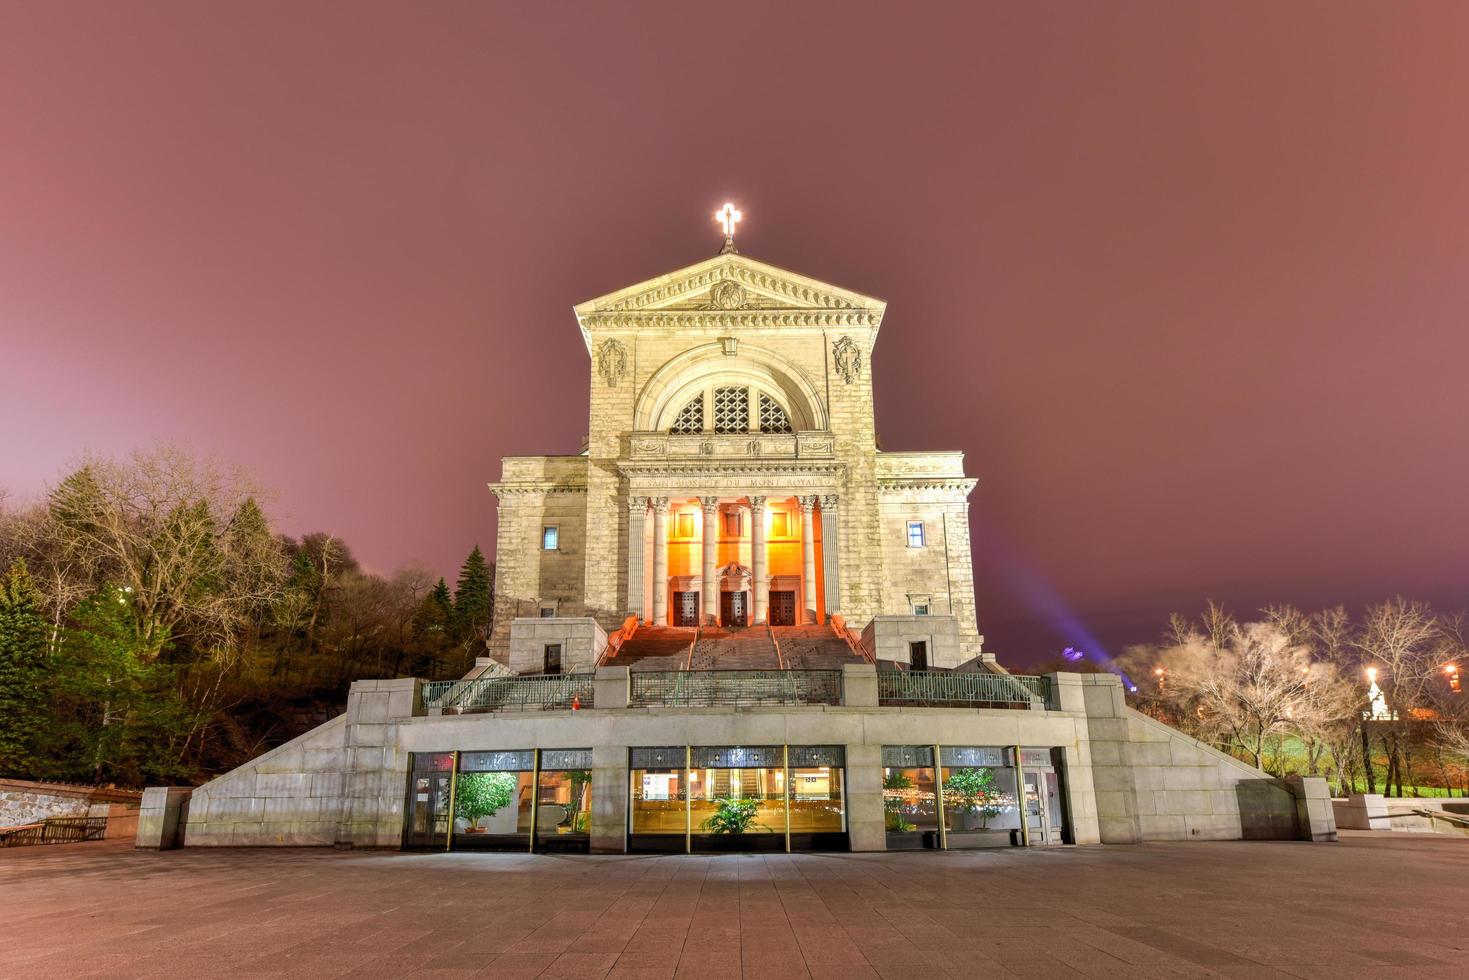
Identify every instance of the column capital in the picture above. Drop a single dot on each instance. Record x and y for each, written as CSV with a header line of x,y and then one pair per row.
x,y
636,505
829,501
757,503
808,504
659,503
710,504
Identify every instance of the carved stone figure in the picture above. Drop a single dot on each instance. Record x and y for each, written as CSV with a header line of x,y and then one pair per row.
x,y
612,361
848,357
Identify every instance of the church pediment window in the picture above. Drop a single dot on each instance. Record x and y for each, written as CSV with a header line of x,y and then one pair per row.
x,y
731,409
773,417
718,406
691,418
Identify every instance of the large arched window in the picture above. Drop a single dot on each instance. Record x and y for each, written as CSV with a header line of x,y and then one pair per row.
x,y
680,396
731,408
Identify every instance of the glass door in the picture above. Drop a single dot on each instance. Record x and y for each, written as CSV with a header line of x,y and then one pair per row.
x,y
427,809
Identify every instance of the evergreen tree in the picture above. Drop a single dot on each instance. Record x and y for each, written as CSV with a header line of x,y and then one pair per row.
x,y
472,598
436,614
23,674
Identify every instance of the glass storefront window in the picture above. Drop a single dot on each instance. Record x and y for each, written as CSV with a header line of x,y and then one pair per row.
x,y
658,805
909,795
817,800
979,790
738,801
564,795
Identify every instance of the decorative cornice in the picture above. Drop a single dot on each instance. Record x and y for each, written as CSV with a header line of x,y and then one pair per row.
x,y
738,319
509,489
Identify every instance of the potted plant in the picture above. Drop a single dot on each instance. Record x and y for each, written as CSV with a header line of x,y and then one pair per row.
x,y
895,790
733,817
481,794
974,798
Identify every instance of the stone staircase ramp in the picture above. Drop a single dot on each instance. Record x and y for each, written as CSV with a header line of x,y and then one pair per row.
x,y
655,648
735,649
814,648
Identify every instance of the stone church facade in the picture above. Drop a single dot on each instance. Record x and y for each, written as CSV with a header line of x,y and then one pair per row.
x,y
732,477
734,623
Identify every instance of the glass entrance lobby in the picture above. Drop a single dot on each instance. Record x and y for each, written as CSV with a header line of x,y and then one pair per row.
x,y
699,798
975,797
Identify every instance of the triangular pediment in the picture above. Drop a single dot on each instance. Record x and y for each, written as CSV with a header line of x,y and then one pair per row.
x,y
727,284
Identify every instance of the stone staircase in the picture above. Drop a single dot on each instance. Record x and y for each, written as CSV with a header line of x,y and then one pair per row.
x,y
735,649
814,648
655,648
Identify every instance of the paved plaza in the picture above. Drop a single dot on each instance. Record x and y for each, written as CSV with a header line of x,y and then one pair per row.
x,y
1371,906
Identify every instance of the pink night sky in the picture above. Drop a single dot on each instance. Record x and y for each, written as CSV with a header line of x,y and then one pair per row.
x,y
1188,283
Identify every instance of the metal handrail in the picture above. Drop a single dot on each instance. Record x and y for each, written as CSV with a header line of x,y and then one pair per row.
x,y
529,692
55,830
943,688
706,688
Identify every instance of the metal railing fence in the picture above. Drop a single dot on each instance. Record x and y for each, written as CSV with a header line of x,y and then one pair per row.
x,y
926,688
533,692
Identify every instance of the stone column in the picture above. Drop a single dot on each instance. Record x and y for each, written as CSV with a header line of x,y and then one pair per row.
x,y
711,554
808,558
609,799
660,560
829,555
637,524
759,566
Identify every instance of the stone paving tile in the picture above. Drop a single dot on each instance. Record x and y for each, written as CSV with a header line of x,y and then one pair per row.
x,y
1371,907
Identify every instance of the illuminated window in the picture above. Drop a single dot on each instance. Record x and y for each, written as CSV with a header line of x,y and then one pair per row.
x,y
731,409
915,534
779,524
691,419
550,534
685,526
732,525
773,418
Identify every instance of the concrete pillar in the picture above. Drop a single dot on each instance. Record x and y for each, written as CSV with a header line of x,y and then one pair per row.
x,y
830,563
759,562
1315,820
859,685
808,558
637,525
864,798
609,797
660,560
1066,693
610,689
1365,811
162,818
711,553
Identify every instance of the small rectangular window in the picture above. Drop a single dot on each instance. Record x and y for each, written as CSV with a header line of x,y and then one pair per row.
x,y
920,609
548,611
779,524
550,534
732,524
553,658
915,534
685,525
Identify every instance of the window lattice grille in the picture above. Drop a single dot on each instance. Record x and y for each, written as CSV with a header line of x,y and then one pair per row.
x,y
773,418
691,419
731,410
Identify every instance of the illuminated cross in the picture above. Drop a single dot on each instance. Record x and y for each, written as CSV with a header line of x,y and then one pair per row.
x,y
728,217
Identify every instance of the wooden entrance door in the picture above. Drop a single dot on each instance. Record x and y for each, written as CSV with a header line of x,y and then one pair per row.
x,y
783,608
732,609
686,609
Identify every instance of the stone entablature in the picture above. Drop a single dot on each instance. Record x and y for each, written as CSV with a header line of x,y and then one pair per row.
x,y
744,445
